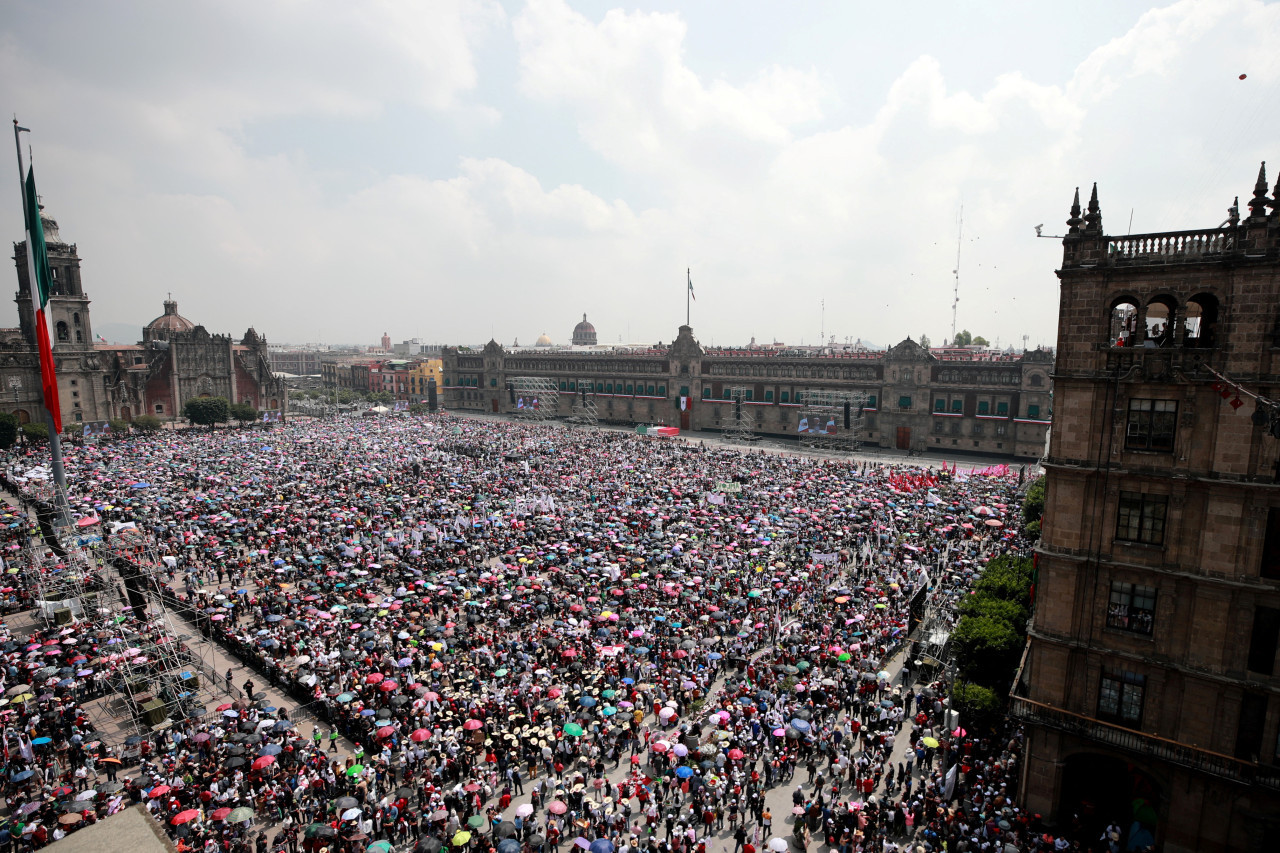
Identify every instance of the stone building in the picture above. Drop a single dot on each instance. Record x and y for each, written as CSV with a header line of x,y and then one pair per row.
x,y
980,403
175,360
584,334
1150,688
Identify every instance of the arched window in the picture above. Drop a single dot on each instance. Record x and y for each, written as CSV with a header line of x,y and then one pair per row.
x,y
1123,330
1160,317
75,319
63,333
1202,320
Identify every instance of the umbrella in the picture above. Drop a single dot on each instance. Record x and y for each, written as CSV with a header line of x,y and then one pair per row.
x,y
555,806
460,838
778,845
184,816
476,821
601,845
241,814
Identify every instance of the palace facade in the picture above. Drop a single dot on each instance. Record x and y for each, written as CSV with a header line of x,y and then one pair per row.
x,y
912,398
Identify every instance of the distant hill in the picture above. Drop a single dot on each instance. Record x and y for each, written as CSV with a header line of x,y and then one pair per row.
x,y
118,333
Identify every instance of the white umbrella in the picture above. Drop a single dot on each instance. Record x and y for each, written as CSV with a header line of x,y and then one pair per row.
x,y
778,845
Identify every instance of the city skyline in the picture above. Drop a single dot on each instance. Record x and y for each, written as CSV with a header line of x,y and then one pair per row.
x,y
461,157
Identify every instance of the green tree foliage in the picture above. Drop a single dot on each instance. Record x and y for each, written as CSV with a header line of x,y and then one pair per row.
x,y
207,411
1007,578
1033,503
980,341
979,707
418,409
146,423
243,412
986,650
35,433
119,427
74,430
924,341
382,398
986,604
8,430
962,339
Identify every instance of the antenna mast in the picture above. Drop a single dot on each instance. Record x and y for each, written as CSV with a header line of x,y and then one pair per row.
x,y
956,273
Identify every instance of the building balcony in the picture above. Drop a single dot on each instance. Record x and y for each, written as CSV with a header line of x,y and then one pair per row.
x,y
1139,743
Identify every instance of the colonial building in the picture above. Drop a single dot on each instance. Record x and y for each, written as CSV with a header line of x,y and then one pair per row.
x,y
913,399
1150,689
175,360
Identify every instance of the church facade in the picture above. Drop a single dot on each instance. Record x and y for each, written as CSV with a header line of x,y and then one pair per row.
x,y
98,381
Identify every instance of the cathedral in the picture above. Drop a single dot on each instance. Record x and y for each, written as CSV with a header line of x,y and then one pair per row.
x,y
97,381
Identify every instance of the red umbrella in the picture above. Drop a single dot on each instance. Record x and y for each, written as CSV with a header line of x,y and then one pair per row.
x,y
472,725
264,761
220,814
387,686
735,754
419,735
183,817
159,791
386,731
373,678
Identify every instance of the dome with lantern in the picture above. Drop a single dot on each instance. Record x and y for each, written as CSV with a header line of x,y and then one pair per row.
x,y
584,334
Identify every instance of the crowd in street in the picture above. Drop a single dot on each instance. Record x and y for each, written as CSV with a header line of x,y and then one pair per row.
x,y
536,638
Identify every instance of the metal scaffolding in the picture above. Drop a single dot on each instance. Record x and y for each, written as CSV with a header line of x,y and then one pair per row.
x,y
584,407
832,420
535,398
741,425
167,678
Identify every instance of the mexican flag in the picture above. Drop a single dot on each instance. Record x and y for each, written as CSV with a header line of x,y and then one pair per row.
x,y
41,280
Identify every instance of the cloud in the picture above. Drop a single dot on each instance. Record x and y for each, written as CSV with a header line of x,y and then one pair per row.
x,y
144,156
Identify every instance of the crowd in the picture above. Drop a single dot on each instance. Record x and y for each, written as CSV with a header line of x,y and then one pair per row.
x,y
537,638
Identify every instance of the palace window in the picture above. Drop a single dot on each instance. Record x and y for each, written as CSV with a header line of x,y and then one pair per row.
x,y
1263,639
1002,408
706,393
1033,411
957,406
786,395
983,407
1151,425
1120,697
871,401
1141,518
939,405
768,396
904,402
1132,607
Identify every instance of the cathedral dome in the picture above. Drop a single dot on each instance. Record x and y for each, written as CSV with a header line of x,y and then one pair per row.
x,y
544,340
584,334
167,323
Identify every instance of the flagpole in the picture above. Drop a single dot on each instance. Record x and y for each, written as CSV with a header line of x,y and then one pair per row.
x,y
62,506
688,291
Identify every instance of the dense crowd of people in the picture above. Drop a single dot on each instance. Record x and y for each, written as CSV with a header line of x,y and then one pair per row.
x,y
537,638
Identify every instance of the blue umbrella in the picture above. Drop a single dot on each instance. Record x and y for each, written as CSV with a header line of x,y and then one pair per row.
x,y
714,656
684,771
23,776
368,712
800,725
40,741
271,749
587,702
601,845
282,726
508,845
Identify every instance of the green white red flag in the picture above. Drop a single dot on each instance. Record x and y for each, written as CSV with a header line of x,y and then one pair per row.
x,y
41,283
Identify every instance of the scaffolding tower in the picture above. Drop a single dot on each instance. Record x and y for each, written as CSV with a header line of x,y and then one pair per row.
x,y
832,420
534,398
741,426
585,412
168,677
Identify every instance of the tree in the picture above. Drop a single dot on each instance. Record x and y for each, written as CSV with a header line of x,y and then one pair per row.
x,y
74,430
924,341
35,433
986,650
962,339
980,341
382,398
8,430
244,412
207,411
119,427
146,423
978,706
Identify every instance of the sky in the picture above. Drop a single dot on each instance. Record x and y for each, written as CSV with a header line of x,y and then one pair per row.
x,y
460,170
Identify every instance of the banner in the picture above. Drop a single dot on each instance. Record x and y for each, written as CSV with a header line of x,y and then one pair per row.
x,y
731,488
804,425
684,403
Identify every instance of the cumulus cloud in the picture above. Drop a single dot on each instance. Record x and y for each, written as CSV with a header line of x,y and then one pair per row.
x,y
147,150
